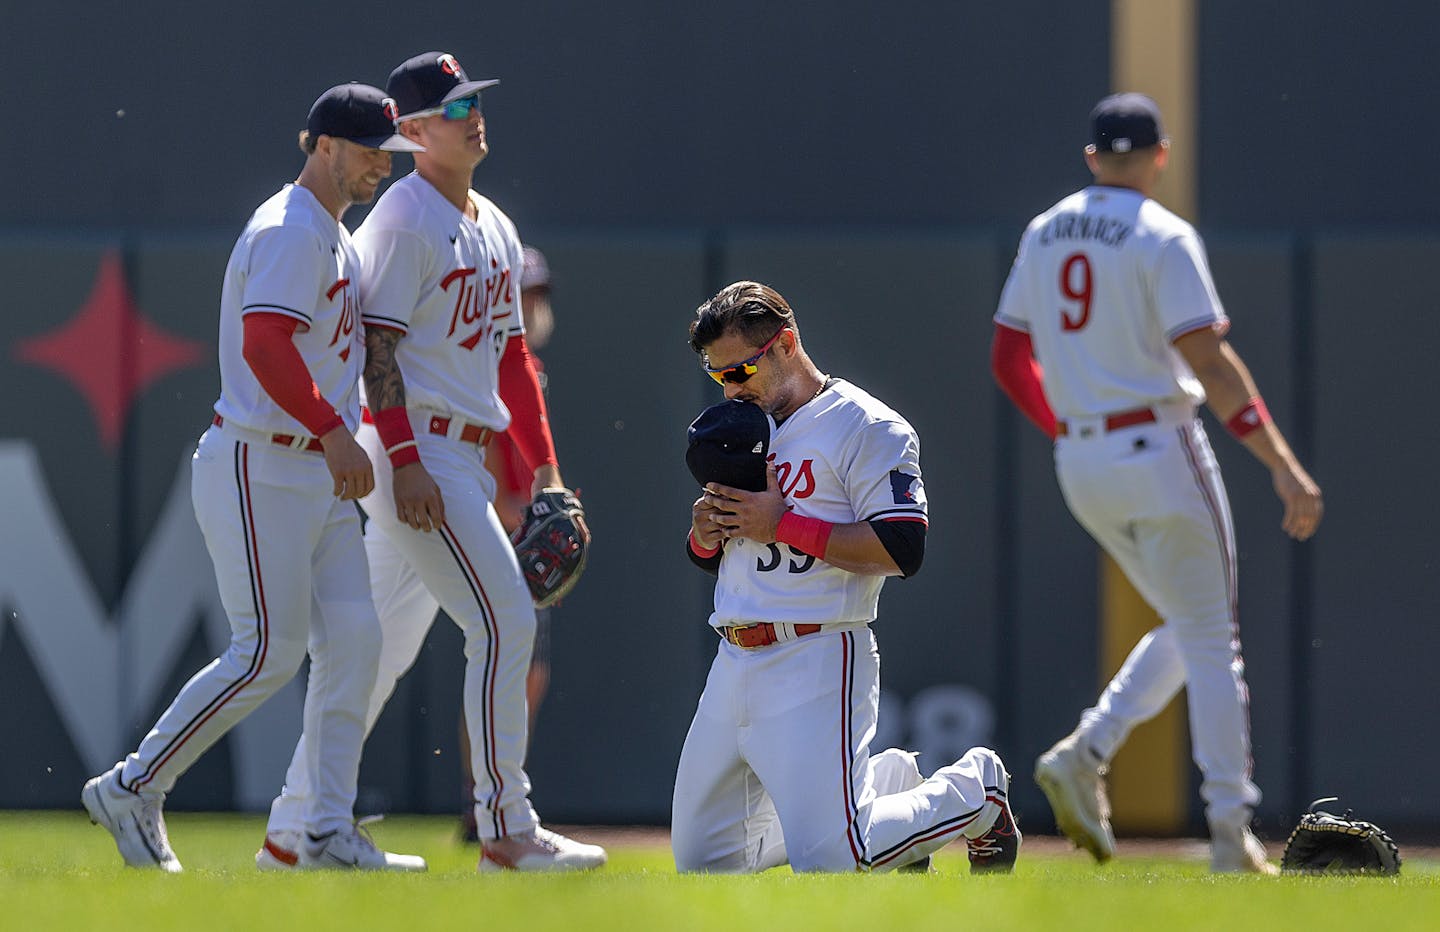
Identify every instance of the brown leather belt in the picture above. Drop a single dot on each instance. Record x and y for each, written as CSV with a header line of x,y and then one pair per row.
x,y
293,441
469,433
761,634
1115,421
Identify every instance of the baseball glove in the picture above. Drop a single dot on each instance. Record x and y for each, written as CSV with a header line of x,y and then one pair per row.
x,y
1326,843
552,543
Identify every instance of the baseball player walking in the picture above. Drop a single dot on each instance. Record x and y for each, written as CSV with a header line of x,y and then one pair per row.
x,y
1110,316
776,766
273,481
446,367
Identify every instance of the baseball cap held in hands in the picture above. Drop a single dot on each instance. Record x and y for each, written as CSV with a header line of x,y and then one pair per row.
x,y
729,443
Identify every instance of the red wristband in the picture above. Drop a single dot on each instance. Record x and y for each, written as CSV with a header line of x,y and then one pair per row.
x,y
808,535
1248,419
393,425
334,422
700,551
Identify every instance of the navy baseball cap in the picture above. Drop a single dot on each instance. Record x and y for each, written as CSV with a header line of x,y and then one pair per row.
x,y
728,445
431,80
361,114
1123,122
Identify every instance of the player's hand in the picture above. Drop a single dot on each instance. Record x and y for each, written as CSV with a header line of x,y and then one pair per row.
x,y
418,501
1303,505
706,532
348,464
752,515
547,476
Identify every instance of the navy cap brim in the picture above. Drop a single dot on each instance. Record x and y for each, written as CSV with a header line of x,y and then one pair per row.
x,y
392,143
466,89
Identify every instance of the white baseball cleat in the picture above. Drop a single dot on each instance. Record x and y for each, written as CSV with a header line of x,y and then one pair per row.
x,y
1238,851
539,851
135,819
1074,783
348,849
281,851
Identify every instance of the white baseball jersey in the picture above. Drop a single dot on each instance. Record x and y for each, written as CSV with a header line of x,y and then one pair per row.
x,y
293,258
1104,282
842,457
467,277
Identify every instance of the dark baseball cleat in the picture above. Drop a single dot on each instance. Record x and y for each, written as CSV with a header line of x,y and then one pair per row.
x,y
995,851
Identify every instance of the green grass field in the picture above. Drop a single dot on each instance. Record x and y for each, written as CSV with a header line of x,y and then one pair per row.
x,y
57,871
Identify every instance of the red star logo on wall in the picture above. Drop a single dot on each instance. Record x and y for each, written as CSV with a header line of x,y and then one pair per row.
x,y
109,352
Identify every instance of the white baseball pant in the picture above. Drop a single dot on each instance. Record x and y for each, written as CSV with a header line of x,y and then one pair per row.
x,y
292,576
1152,496
467,567
777,767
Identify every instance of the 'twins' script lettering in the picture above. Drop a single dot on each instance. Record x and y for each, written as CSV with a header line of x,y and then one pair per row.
x,y
802,485
345,326
475,298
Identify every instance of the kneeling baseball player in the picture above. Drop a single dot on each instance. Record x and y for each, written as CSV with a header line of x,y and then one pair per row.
x,y
777,766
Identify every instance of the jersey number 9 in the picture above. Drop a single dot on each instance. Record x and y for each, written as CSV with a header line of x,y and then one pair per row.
x,y
1076,284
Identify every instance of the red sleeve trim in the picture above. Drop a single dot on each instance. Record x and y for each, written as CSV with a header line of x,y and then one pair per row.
x,y
269,349
529,418
700,551
1013,363
396,435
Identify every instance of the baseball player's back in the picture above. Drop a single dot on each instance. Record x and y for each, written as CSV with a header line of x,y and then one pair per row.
x,y
1108,336
1112,278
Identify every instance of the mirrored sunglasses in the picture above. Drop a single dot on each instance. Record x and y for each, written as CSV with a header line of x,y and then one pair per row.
x,y
454,110
740,372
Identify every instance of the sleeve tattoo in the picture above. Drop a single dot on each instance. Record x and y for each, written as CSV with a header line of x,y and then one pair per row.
x,y
384,385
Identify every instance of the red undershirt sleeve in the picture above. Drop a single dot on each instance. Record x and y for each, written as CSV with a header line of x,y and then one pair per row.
x,y
529,418
269,348
1012,360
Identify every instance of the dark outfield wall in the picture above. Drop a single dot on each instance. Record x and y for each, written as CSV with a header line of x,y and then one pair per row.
x,y
876,164
636,112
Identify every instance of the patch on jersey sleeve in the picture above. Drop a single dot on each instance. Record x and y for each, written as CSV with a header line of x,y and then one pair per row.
x,y
902,487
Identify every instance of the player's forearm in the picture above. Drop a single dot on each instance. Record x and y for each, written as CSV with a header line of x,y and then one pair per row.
x,y
385,393
855,549
1229,391
384,385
